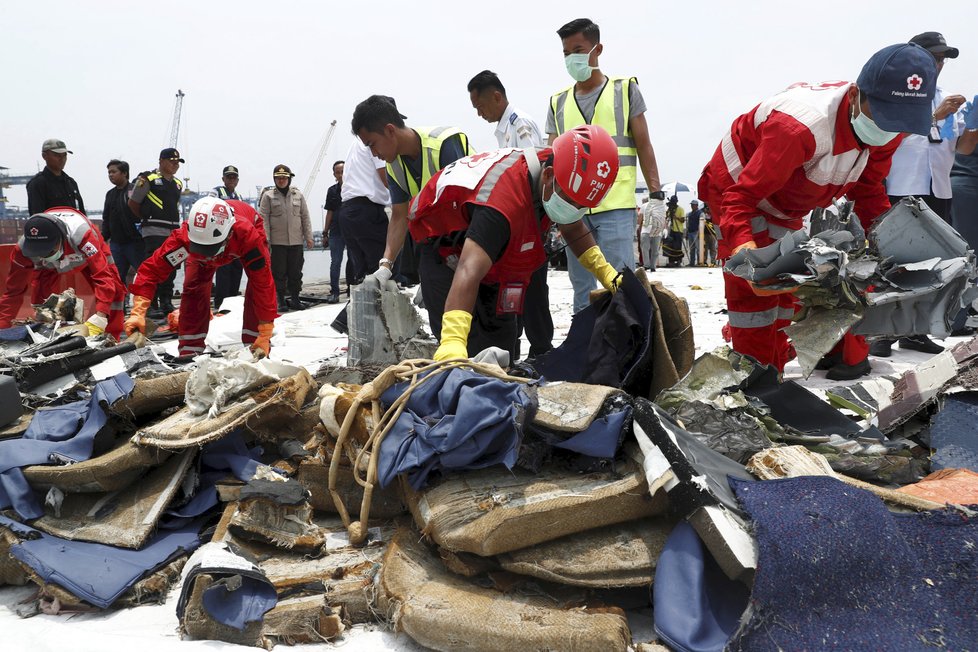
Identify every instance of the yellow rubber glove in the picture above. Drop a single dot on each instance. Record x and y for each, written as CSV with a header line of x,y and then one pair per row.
x,y
455,326
97,324
262,346
136,322
593,261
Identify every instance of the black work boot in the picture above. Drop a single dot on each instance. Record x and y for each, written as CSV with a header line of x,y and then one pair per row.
x,y
843,371
881,348
920,343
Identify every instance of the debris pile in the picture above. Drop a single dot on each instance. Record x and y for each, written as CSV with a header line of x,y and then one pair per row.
x,y
473,507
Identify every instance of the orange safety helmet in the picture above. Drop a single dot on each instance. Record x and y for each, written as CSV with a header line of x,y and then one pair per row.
x,y
585,164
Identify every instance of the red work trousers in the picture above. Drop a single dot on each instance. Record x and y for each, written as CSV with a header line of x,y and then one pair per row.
x,y
756,322
195,308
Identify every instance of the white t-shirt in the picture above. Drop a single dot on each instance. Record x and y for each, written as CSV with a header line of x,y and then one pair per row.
x,y
360,175
919,165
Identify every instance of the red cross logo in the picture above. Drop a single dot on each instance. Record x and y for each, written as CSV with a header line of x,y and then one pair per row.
x,y
34,231
914,82
603,169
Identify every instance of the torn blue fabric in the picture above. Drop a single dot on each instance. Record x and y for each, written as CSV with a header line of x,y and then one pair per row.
x,y
14,334
954,433
602,438
236,605
457,420
217,458
66,431
837,571
96,573
697,607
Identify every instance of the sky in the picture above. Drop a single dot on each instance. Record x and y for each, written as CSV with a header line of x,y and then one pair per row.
x,y
263,80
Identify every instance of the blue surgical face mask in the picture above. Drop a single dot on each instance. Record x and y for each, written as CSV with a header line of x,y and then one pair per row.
x,y
579,66
560,210
868,131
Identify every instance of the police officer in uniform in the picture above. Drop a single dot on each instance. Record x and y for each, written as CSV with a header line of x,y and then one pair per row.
x,y
156,199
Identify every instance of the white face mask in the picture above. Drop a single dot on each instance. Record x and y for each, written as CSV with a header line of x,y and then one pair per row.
x,y
867,130
578,65
561,211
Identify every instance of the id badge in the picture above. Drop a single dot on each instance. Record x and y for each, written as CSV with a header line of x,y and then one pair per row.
x,y
935,134
510,300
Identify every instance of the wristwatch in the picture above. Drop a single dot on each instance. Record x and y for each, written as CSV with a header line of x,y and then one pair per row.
x,y
387,262
658,194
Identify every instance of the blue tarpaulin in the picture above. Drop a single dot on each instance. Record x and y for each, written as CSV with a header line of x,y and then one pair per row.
x,y
66,431
457,420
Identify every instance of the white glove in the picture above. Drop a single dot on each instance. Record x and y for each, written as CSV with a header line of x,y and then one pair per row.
x,y
654,215
383,274
493,355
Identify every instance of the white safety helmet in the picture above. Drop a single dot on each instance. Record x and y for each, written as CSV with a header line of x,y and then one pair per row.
x,y
209,226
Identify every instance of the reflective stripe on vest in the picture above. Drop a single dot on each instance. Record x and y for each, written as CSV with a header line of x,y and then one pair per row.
x,y
432,139
611,112
161,218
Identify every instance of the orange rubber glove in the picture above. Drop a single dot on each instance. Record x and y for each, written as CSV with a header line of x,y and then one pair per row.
x,y
262,346
136,322
760,290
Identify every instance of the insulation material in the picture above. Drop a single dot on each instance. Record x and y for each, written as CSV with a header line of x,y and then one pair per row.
x,y
314,475
443,611
307,619
285,526
154,588
152,395
216,381
123,518
111,471
675,336
346,574
619,555
263,410
11,572
570,407
493,511
957,486
61,307
335,402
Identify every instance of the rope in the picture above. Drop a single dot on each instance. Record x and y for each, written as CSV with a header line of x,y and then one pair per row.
x,y
416,372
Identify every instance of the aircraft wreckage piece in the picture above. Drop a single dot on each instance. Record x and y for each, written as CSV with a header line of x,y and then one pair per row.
x,y
696,479
444,611
110,471
261,410
492,511
124,518
623,554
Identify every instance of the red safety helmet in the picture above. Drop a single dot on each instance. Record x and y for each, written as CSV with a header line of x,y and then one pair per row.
x,y
585,164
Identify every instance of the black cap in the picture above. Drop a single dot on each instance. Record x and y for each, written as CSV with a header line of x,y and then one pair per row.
x,y
41,236
394,102
282,170
170,154
229,169
934,42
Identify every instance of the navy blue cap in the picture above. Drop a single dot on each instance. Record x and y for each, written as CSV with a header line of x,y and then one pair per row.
x,y
41,236
171,154
899,81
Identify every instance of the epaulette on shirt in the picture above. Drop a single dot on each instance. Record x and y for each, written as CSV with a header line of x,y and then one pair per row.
x,y
513,118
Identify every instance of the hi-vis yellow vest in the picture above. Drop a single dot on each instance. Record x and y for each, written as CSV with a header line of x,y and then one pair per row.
x,y
431,142
611,112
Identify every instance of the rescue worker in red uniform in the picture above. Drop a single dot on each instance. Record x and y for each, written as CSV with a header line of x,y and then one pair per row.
x,y
214,235
799,150
487,216
58,241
